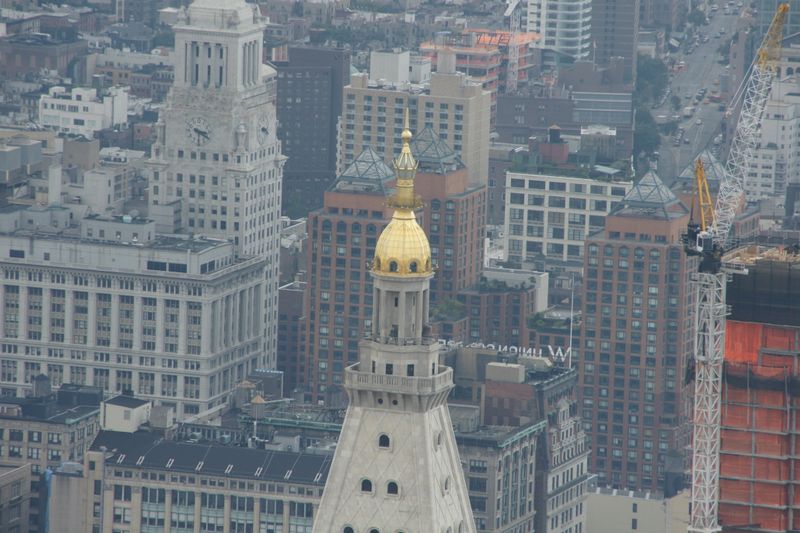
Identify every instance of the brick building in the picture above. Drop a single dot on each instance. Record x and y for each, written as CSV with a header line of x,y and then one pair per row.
x,y
342,236
637,337
453,214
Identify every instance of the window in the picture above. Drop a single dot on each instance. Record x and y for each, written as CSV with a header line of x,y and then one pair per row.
x,y
348,529
634,523
366,485
392,488
383,441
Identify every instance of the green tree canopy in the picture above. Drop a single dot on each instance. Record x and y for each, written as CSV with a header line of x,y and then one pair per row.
x,y
652,79
697,17
646,138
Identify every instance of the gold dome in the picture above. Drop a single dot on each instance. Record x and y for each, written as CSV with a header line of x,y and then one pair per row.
x,y
403,248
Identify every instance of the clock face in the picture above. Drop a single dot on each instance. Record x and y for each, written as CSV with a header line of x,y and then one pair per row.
x,y
265,124
199,130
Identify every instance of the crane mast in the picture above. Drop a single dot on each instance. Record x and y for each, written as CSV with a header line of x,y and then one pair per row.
x,y
707,239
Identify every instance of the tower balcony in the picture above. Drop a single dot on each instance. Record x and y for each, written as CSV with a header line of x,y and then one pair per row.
x,y
439,383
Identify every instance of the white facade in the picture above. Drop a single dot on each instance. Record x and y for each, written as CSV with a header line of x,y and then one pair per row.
x,y
551,216
391,66
124,413
565,25
82,111
623,511
177,321
217,151
776,160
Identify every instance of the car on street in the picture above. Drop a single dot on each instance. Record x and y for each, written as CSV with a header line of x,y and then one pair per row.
x,y
698,122
686,140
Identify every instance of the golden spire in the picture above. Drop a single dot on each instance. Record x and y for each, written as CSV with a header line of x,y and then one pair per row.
x,y
402,248
406,168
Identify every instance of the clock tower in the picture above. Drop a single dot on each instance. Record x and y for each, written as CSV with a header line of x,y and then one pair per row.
x,y
216,151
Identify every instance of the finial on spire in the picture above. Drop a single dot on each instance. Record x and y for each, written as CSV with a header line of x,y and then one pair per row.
x,y
406,136
406,169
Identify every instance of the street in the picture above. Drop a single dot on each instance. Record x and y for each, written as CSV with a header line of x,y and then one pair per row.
x,y
702,69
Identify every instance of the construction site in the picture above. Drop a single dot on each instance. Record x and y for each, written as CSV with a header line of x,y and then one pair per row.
x,y
759,468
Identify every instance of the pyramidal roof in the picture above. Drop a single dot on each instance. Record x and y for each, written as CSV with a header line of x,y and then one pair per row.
x,y
713,167
433,153
650,198
367,173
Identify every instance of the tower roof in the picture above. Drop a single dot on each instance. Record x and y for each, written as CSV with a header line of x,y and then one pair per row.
x,y
433,153
714,168
368,173
403,248
221,15
650,198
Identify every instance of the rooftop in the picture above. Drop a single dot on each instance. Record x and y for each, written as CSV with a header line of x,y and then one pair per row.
x,y
650,198
148,451
434,154
126,401
368,173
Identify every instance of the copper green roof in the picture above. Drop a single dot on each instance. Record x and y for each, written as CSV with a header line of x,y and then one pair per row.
x,y
433,153
367,173
650,198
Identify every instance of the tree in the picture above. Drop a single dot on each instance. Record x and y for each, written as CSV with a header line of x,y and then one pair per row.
x,y
646,138
652,78
697,17
675,102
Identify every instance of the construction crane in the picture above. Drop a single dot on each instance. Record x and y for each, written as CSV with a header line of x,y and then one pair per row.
x,y
707,239
512,77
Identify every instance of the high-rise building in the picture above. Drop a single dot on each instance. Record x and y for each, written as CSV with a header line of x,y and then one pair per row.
x,y
216,150
310,87
637,338
342,237
291,329
615,33
175,320
396,466
548,216
775,160
453,214
451,104
759,401
565,27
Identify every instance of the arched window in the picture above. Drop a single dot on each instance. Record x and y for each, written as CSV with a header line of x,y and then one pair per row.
x,y
412,266
655,255
374,530
638,253
371,229
383,441
623,251
436,205
392,266
348,529
592,249
341,227
391,488
326,225
608,250
366,485
356,227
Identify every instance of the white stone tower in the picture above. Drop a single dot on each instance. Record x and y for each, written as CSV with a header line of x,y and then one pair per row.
x,y
396,467
216,149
